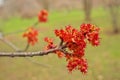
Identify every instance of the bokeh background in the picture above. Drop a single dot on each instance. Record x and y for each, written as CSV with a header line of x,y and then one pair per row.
x,y
18,15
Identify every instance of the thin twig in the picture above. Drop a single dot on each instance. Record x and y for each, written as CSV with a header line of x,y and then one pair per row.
x,y
8,42
26,48
35,24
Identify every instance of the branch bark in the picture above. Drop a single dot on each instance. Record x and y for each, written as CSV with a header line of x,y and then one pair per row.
x,y
23,53
28,54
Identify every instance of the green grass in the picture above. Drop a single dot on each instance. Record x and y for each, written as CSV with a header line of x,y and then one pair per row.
x,y
103,60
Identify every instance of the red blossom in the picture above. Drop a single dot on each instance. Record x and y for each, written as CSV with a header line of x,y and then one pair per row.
x,y
93,38
75,42
60,54
31,35
91,32
67,34
75,63
43,16
50,43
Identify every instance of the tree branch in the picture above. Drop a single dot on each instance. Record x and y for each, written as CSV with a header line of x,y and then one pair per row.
x,y
61,43
8,42
26,48
22,53
28,54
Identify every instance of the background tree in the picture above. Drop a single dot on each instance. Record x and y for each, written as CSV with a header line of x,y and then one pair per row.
x,y
19,8
113,7
87,7
45,4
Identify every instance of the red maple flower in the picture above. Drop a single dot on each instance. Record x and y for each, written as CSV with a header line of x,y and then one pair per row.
x,y
68,34
75,63
43,16
59,53
91,32
50,43
31,35
75,42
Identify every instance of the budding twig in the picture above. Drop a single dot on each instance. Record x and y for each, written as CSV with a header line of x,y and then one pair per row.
x,y
22,53
28,54
35,24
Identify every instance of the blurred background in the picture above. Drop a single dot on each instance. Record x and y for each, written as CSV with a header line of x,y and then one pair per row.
x,y
18,15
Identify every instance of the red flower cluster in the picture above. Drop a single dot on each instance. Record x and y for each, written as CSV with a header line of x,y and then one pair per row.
x,y
43,16
50,43
31,35
91,32
77,63
59,53
75,41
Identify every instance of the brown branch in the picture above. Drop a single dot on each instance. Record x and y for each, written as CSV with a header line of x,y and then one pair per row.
x,y
61,43
28,54
18,50
19,53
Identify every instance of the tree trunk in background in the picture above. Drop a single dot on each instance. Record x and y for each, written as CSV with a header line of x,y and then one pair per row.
x,y
114,20
113,7
45,4
87,7
114,13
